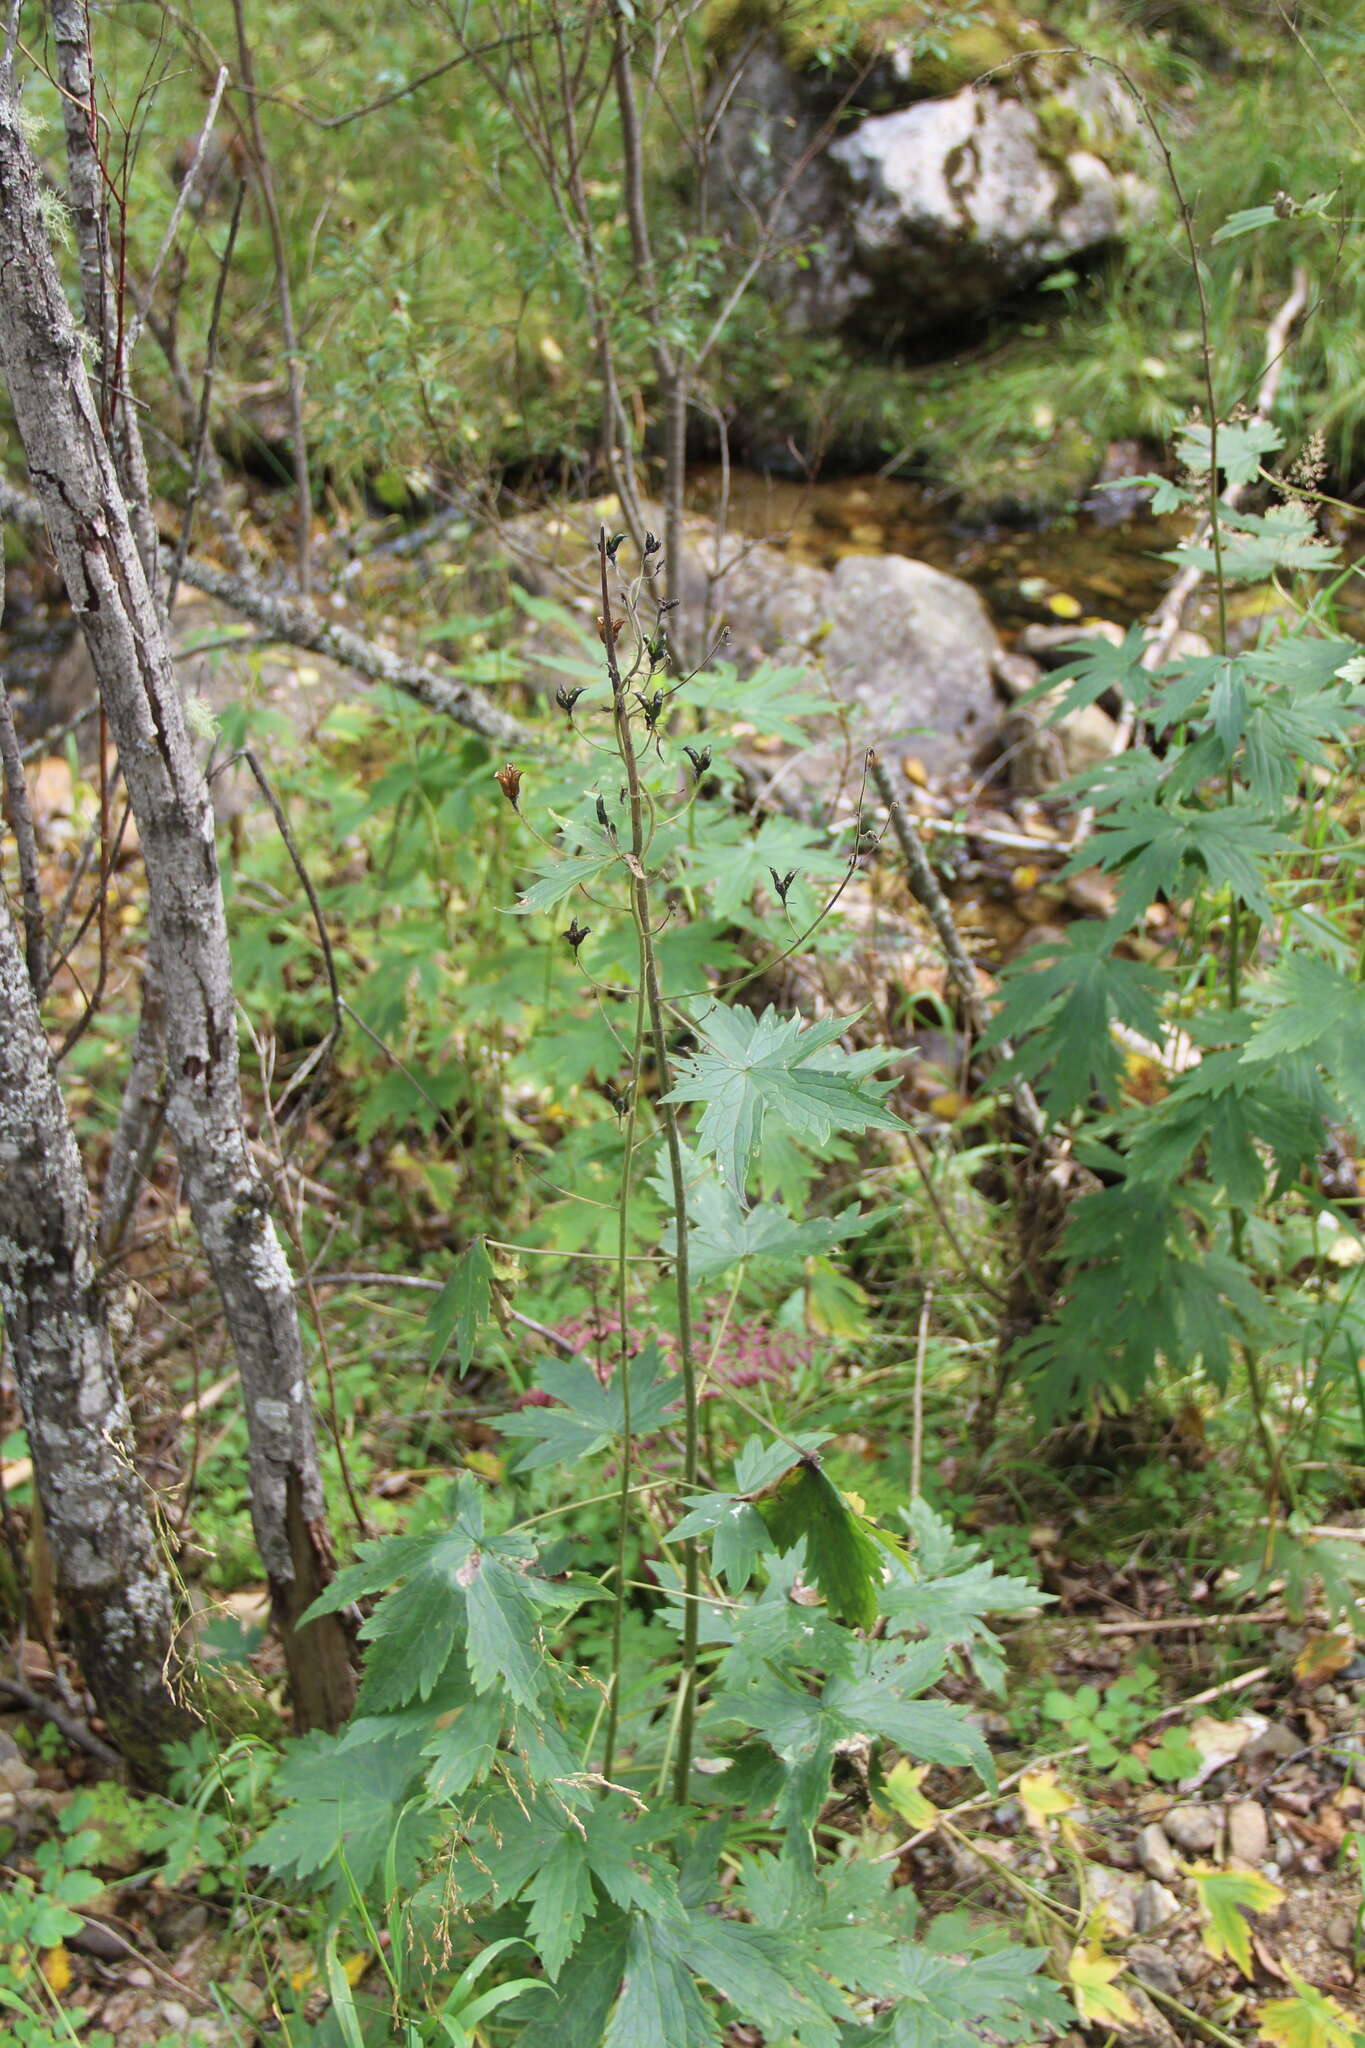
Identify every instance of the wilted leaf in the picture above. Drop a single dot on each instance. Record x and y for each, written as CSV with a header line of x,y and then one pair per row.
x,y
1092,1976
1223,1896
901,1791
1310,2019
843,1556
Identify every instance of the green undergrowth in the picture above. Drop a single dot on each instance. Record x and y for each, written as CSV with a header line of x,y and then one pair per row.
x,y
452,340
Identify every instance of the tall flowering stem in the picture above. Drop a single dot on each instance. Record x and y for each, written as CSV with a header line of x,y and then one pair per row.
x,y
668,1117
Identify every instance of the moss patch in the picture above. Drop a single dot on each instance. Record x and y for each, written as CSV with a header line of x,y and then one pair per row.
x,y
853,36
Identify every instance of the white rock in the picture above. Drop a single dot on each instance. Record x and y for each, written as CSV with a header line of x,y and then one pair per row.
x,y
1155,1854
1248,1832
1155,1904
1192,1828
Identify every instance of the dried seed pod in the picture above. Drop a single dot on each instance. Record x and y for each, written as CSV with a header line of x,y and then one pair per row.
x,y
508,780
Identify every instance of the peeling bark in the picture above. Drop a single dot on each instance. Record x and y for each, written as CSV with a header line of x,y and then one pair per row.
x,y
114,1590
74,475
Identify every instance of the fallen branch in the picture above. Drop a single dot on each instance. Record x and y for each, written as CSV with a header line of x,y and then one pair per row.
x,y
302,625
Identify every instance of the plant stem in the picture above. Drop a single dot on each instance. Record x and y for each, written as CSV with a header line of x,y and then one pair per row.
x,y
618,1606
640,904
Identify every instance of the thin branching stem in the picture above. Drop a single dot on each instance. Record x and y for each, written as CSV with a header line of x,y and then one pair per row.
x,y
668,1118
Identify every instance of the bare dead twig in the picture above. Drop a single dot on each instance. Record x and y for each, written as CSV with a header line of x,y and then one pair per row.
x,y
183,197
284,298
25,840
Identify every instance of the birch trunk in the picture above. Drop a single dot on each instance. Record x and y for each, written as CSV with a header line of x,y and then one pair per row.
x,y
115,1594
87,520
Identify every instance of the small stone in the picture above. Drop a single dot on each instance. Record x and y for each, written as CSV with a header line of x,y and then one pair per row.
x,y
16,1773
1248,1832
1340,1932
138,1978
1154,1905
174,2013
1154,1854
1155,1968
1276,1742
1192,1828
1116,1897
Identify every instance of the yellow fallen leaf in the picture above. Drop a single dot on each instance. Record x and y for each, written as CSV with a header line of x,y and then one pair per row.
x,y
901,1791
1025,877
1099,2002
487,1464
1045,1798
1322,1656
1224,1895
1310,2019
55,1965
1063,606
949,1105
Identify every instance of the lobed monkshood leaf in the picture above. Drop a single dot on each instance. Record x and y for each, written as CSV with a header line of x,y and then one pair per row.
x,y
451,1595
753,1068
1309,1007
733,860
1059,1004
843,1554
561,1901
461,1306
1236,1111
1093,668
1257,546
659,1998
945,1591
591,1413
1242,448
559,881
1159,848
771,700
950,1999
349,1793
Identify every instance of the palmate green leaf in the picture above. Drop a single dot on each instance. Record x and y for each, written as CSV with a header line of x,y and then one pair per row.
x,y
946,1591
722,1233
953,1988
461,1306
1157,847
733,860
1237,1110
1242,447
348,1792
756,1067
843,1555
772,700
1311,1007
1059,1004
1256,546
559,881
1093,668
591,1414
561,1898
659,1999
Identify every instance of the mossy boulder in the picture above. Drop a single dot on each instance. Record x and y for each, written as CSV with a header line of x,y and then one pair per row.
x,y
923,177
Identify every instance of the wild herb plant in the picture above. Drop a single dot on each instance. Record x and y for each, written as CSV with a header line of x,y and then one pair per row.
x,y
1207,1241
669,1841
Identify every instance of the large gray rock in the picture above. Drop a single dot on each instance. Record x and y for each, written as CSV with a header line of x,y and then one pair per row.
x,y
936,210
905,651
